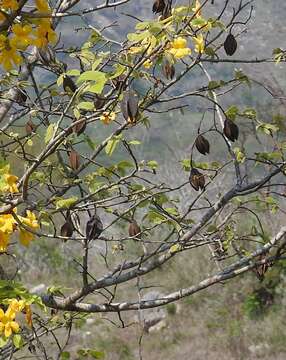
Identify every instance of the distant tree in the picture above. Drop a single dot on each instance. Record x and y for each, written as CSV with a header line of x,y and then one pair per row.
x,y
71,169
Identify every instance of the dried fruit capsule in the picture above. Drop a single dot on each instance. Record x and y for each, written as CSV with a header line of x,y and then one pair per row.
x,y
30,127
134,229
69,85
202,145
129,106
67,229
230,45
22,96
158,6
169,70
74,160
79,127
99,103
94,228
230,130
197,179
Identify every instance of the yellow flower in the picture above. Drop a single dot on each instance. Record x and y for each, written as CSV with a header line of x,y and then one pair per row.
x,y
42,6
4,241
10,4
199,44
15,306
31,221
179,43
148,64
11,181
44,34
7,223
26,237
178,48
8,54
7,323
21,39
107,117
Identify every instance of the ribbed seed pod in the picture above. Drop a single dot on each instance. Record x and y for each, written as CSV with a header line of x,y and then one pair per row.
x,y
230,130
134,229
129,106
99,103
197,179
67,229
169,70
30,127
74,160
79,127
158,6
230,45
202,145
93,228
22,96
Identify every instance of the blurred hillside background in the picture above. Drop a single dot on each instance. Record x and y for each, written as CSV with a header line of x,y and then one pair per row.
x,y
241,319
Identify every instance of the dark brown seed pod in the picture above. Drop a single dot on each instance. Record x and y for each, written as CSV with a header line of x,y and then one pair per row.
x,y
230,130
134,229
30,127
74,160
67,229
158,6
129,106
197,179
79,127
99,103
22,96
94,228
169,70
230,45
202,145
69,85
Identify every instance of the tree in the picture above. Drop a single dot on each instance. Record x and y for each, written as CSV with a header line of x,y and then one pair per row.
x,y
72,170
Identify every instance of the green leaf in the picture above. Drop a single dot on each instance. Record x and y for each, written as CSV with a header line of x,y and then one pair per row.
x,y
66,203
268,129
73,72
18,341
172,211
86,105
111,145
65,355
152,164
76,113
96,63
142,25
136,37
3,341
49,133
231,112
186,164
119,70
95,354
90,75
123,165
155,217
60,79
